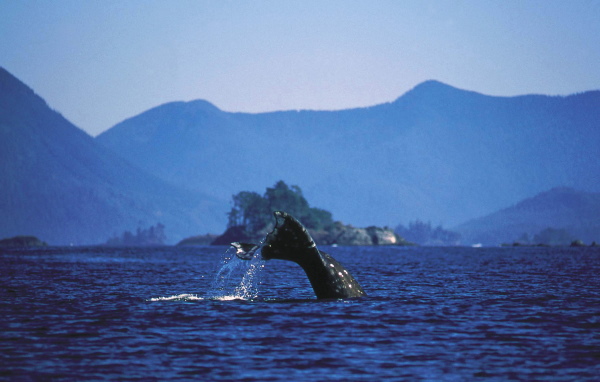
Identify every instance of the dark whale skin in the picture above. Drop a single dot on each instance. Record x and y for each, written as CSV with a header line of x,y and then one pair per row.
x,y
290,241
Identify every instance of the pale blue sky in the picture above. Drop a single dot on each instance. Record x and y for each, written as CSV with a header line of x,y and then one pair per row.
x,y
99,62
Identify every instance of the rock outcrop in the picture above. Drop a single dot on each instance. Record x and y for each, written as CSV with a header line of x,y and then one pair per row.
x,y
341,234
384,236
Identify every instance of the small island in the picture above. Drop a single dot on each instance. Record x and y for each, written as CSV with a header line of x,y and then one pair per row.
x,y
251,219
22,242
207,239
549,237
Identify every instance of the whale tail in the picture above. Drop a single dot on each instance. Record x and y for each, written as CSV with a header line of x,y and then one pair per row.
x,y
245,251
289,240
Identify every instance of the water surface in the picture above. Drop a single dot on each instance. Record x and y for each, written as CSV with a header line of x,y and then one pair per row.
x,y
450,314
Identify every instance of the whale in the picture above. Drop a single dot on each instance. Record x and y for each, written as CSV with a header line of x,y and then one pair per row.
x,y
289,240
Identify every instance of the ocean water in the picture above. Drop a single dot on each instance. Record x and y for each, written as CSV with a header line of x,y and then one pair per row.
x,y
432,314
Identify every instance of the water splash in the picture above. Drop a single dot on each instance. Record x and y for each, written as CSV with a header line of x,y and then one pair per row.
x,y
237,279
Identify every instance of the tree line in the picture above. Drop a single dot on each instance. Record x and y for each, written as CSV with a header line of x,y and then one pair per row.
x,y
155,235
425,234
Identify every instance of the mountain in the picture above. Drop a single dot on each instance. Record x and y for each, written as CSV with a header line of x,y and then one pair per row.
x,y
576,212
59,184
436,154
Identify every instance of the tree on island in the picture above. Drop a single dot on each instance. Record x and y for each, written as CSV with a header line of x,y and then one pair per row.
x,y
424,234
155,235
254,212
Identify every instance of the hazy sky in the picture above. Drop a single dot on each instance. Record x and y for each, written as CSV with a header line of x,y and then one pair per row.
x,y
99,62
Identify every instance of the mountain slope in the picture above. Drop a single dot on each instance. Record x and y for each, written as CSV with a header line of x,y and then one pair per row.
x,y
560,208
437,153
58,184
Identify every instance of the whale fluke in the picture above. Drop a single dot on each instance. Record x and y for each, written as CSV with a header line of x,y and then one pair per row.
x,y
290,241
245,251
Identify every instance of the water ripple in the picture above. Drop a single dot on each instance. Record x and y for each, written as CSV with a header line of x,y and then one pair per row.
x,y
173,314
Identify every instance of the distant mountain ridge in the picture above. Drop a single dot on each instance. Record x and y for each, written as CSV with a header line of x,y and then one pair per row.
x,y
436,153
561,208
59,184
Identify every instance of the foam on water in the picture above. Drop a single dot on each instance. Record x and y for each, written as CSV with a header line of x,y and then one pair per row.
x,y
193,297
179,297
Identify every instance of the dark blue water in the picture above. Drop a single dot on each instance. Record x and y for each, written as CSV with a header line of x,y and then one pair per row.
x,y
450,314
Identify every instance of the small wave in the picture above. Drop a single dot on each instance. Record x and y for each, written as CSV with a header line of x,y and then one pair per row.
x,y
179,297
229,298
193,297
